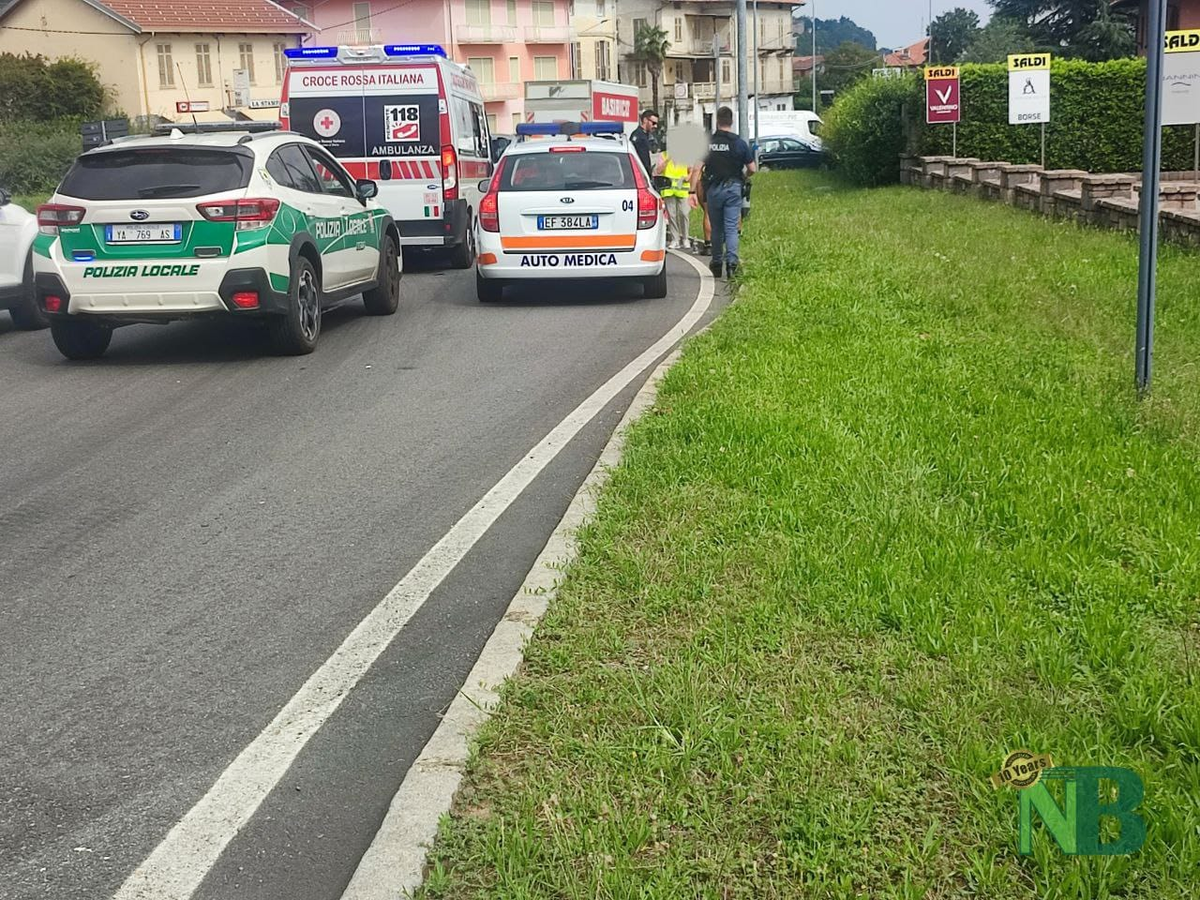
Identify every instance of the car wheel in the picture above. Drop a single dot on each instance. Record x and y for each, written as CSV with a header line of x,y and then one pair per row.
x,y
463,256
80,339
487,290
655,287
384,298
27,315
295,332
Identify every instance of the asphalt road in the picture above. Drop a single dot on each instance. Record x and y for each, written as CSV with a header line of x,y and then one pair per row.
x,y
189,527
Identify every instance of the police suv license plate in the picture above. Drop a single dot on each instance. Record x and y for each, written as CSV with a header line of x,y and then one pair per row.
x,y
171,233
567,223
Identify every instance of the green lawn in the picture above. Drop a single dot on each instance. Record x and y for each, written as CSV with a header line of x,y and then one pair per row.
x,y
896,514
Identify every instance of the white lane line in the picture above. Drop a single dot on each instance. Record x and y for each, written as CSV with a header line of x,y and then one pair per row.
x,y
176,867
394,864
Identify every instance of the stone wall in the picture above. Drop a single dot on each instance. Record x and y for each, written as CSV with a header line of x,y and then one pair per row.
x,y
1106,201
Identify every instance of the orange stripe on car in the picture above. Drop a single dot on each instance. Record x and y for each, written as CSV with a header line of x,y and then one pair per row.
x,y
570,242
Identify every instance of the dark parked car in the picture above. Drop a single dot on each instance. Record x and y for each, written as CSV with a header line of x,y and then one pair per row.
x,y
787,152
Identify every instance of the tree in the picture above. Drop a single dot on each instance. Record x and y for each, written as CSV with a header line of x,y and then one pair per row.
x,y
951,33
831,33
1073,27
844,65
650,46
996,40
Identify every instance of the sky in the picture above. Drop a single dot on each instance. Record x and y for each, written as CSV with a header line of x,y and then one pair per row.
x,y
896,23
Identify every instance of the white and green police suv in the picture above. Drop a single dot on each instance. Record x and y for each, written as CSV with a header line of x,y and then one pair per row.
x,y
229,224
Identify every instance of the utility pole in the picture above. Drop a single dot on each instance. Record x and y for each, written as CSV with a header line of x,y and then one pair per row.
x,y
757,106
813,19
1151,175
743,87
716,76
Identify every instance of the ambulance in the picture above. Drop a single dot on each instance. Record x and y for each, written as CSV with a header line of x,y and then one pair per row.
x,y
407,118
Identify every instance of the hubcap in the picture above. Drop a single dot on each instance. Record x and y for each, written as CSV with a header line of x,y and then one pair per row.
x,y
310,307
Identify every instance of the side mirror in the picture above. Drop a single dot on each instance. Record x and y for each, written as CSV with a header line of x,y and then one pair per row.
x,y
5,197
484,185
366,188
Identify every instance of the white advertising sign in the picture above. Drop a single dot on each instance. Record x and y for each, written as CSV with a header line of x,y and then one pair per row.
x,y
1028,88
1181,79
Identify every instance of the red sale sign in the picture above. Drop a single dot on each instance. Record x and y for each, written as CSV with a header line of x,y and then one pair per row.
x,y
942,95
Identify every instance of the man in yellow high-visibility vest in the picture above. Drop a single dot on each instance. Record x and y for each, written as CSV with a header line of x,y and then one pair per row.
x,y
675,195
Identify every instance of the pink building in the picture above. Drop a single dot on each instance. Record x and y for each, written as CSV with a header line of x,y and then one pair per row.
x,y
505,42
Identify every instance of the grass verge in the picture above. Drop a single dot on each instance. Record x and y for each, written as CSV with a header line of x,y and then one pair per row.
x,y
896,514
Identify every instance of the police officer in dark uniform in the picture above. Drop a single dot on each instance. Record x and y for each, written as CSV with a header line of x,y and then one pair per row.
x,y
641,138
728,164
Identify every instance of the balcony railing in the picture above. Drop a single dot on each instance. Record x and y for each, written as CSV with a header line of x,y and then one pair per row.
x,y
500,90
358,37
775,41
486,34
704,46
547,34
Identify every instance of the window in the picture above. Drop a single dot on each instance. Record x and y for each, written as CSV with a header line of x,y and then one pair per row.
x,y
512,12
291,168
280,61
479,12
543,12
492,123
726,74
679,29
514,69
600,8
762,31
302,10
333,180
782,72
516,120
598,171
602,57
159,172
362,21
484,68
576,59
203,65
166,68
638,25
545,68
246,58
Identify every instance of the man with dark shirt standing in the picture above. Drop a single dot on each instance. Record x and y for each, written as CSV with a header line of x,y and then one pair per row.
x,y
728,164
640,138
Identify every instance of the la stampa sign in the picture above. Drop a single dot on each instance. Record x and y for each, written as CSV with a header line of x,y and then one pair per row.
x,y
943,95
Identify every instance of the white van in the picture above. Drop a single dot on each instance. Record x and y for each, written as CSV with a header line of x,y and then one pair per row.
x,y
406,117
801,123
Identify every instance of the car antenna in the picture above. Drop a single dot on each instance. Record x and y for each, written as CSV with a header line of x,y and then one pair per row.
x,y
188,97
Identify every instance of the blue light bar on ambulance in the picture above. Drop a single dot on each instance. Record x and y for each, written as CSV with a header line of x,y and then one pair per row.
x,y
530,129
414,50
311,52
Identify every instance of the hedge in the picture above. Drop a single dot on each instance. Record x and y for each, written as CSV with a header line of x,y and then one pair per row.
x,y
1096,121
34,88
865,130
34,156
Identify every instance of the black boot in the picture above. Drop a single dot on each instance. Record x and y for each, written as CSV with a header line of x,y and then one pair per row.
x,y
715,268
731,269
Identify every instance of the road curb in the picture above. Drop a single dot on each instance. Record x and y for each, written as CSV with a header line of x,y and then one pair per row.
x,y
394,865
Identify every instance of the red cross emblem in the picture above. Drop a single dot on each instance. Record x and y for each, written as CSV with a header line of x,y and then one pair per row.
x,y
327,123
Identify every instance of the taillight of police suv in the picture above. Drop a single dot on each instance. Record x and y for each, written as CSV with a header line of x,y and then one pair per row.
x,y
50,216
647,203
247,213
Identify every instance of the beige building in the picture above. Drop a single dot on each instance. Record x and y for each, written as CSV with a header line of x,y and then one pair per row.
x,y
594,40
155,56
688,88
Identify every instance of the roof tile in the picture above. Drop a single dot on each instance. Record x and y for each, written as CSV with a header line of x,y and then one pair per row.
x,y
208,15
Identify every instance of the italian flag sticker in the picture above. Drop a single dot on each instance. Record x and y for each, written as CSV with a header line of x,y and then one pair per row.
x,y
431,211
